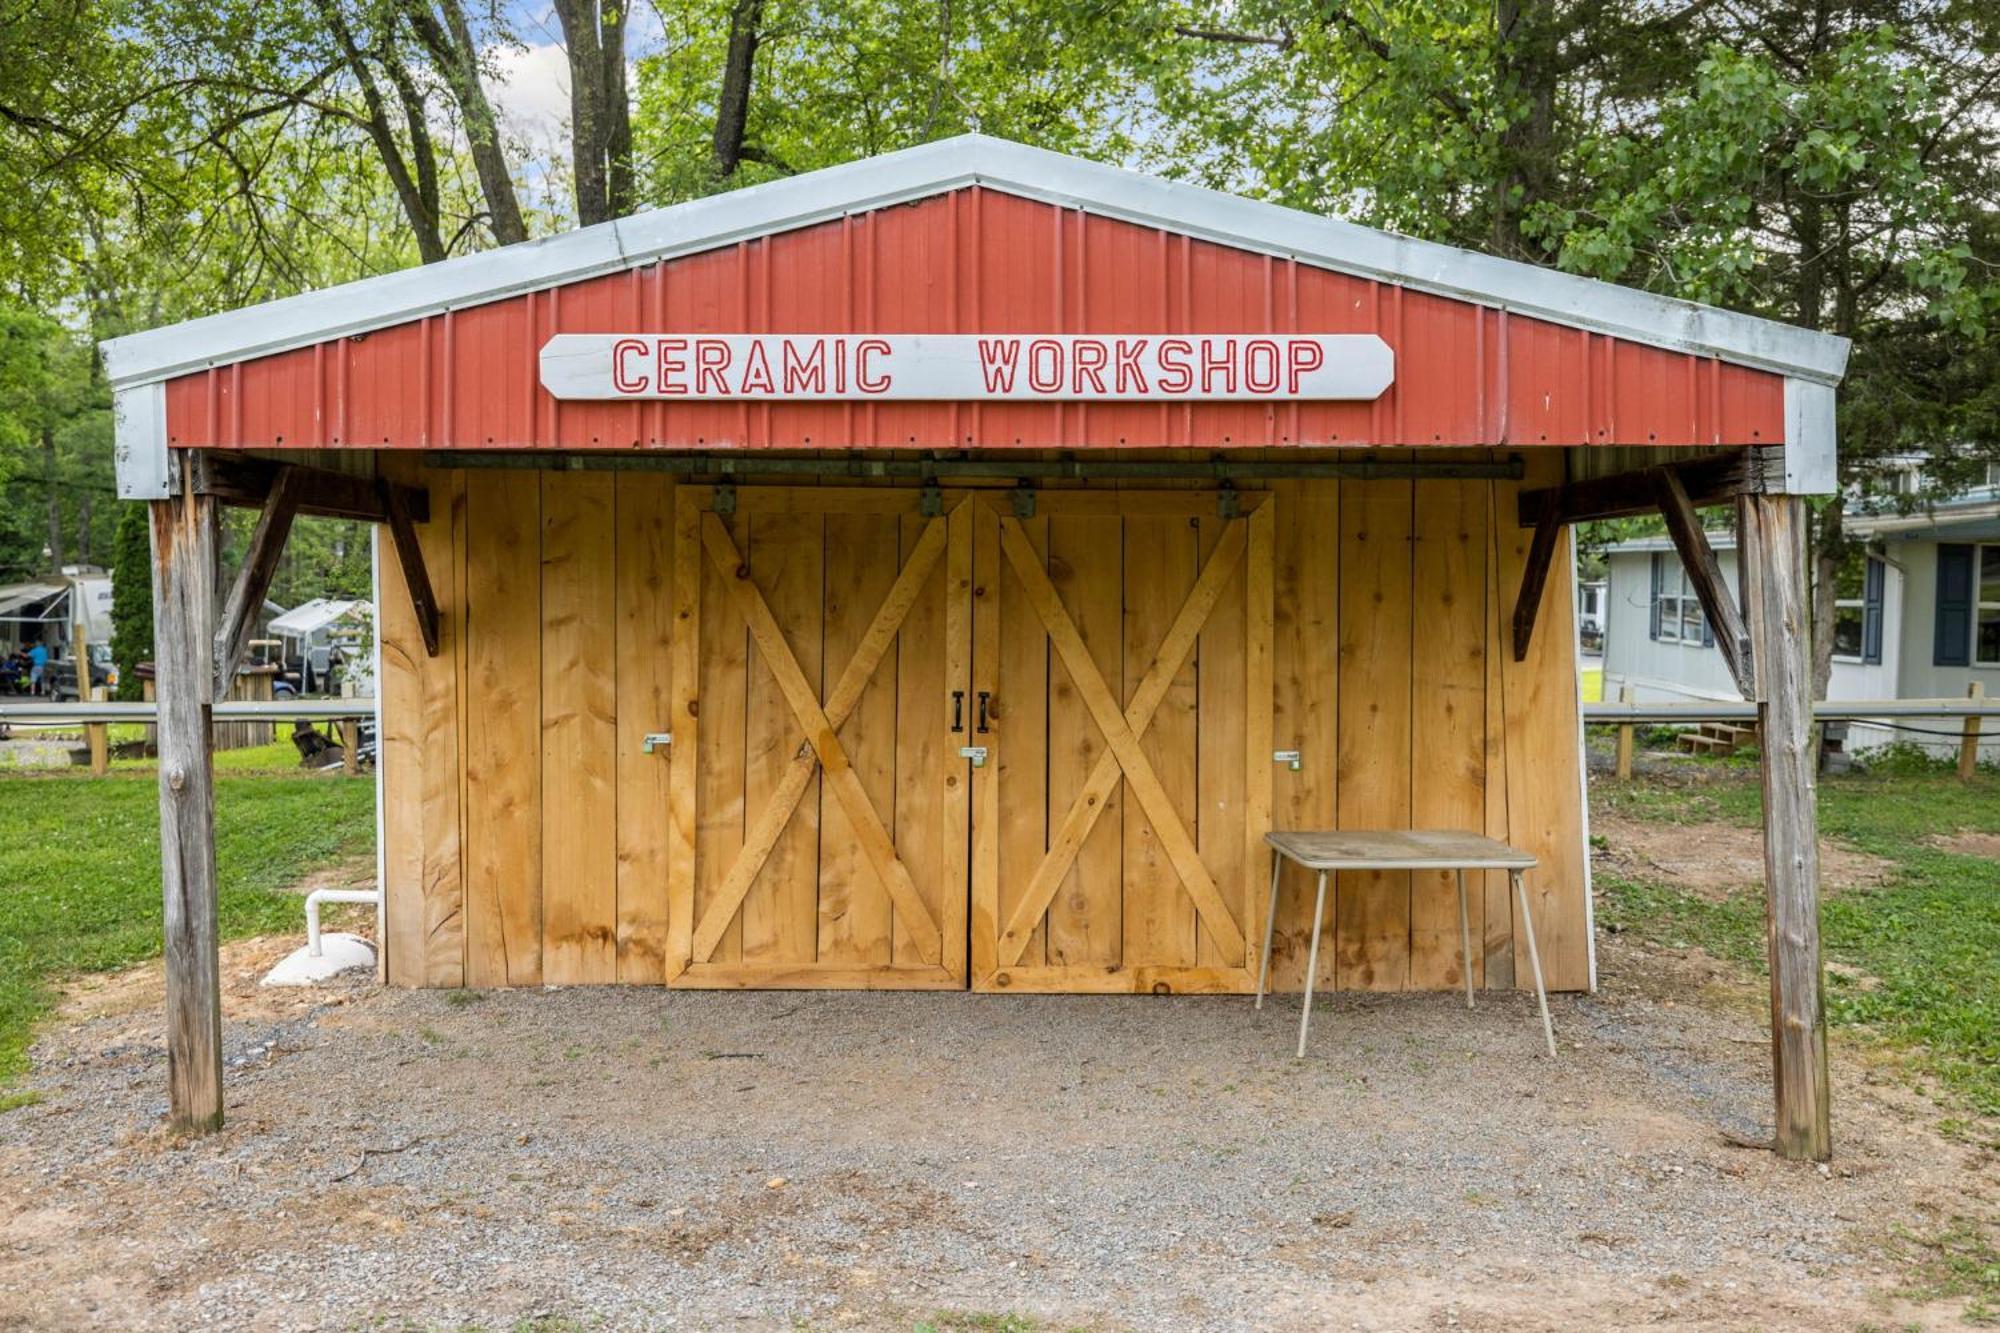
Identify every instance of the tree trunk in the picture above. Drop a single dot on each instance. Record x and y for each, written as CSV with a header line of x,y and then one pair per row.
x,y
51,478
451,45
616,112
600,108
1528,67
421,215
732,105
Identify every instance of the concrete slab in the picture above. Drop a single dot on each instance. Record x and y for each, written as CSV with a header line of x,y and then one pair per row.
x,y
338,953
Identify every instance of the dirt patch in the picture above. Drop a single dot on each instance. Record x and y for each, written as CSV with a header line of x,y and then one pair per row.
x,y
868,1160
1970,844
1715,860
139,993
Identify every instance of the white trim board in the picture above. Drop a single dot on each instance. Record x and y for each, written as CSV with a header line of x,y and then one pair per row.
x,y
951,164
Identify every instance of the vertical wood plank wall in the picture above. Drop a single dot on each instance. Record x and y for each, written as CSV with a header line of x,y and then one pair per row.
x,y
526,833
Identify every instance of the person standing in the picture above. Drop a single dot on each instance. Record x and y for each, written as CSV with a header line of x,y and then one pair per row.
x,y
38,666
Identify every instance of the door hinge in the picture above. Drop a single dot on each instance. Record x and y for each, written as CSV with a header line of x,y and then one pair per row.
x,y
1024,502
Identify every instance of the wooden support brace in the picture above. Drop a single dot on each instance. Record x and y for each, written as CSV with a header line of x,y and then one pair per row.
x,y
1711,480
253,581
1705,572
1772,533
410,554
236,480
184,549
1535,577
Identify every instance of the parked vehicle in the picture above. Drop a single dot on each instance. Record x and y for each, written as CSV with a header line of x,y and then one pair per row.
x,y
61,675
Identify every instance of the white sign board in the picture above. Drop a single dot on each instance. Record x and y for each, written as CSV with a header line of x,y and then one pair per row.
x,y
1080,367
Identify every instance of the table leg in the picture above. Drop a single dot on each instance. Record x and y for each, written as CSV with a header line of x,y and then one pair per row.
x,y
1312,963
1534,960
1270,920
1464,939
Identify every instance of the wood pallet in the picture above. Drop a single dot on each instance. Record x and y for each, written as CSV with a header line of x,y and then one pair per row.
x,y
1716,738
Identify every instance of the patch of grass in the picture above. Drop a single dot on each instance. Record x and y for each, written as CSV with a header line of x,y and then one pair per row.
x,y
80,872
1660,914
952,1321
14,1101
1922,952
280,756
1955,1262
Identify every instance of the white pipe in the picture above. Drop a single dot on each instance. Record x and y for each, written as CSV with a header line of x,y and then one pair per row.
x,y
318,896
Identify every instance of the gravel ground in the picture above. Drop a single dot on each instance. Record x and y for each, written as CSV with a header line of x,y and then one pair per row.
x,y
639,1159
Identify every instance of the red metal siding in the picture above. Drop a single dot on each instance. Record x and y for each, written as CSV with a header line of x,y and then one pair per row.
x,y
977,261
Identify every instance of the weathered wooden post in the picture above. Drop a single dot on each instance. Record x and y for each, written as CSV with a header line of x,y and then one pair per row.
x,y
98,735
184,579
1773,543
1625,738
1968,744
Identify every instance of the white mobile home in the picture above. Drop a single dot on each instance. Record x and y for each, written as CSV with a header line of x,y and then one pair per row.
x,y
1918,617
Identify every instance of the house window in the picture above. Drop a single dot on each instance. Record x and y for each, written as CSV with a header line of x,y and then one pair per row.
x,y
1677,614
1857,607
1986,618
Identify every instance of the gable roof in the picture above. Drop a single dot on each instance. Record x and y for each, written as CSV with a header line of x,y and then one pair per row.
x,y
952,164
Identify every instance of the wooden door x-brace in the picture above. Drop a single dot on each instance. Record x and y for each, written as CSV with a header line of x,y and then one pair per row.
x,y
822,750
1123,730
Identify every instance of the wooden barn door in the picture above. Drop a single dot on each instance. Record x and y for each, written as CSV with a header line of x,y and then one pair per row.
x,y
818,800
1122,669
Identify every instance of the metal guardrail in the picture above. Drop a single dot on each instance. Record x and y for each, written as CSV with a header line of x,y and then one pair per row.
x,y
1830,710
36,713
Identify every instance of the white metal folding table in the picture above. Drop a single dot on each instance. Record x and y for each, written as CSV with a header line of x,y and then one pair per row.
x,y
1411,849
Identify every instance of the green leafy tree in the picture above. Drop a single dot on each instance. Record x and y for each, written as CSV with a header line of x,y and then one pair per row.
x,y
1828,164
748,90
131,598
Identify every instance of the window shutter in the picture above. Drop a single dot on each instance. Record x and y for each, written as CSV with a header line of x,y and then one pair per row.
x,y
1654,633
1871,611
1952,640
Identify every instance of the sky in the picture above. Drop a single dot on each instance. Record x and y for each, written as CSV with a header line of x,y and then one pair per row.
x,y
530,87
528,84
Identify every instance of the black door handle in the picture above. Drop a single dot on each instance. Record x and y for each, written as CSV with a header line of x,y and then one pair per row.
x,y
958,710
985,698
